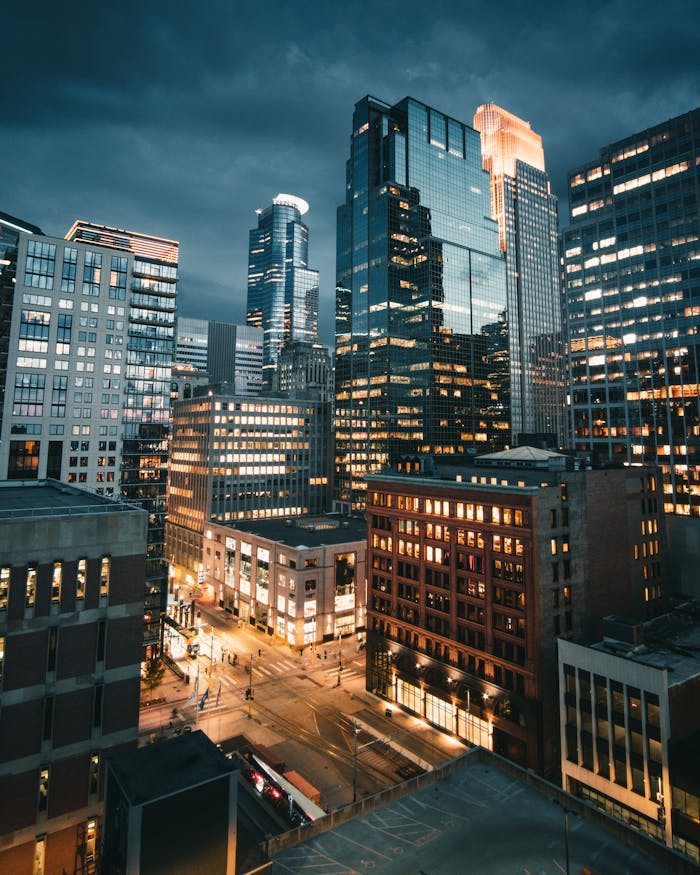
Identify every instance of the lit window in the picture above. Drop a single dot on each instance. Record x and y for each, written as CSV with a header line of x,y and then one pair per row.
x,y
4,587
43,800
56,580
553,545
81,579
104,576
31,586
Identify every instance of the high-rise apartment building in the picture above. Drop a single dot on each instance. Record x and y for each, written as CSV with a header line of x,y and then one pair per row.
x,y
88,373
423,346
526,212
282,289
72,568
236,457
632,305
10,231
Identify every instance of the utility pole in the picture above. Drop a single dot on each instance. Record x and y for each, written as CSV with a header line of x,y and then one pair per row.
x,y
354,761
340,656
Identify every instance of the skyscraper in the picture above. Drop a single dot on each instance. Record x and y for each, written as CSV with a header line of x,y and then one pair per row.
x,y
423,348
282,289
235,356
632,289
88,373
526,212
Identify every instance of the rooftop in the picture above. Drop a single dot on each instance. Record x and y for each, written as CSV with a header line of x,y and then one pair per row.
x,y
31,498
670,642
169,767
475,814
301,532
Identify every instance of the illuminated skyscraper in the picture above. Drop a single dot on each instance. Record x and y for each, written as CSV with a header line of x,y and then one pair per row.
x,y
282,289
423,353
632,285
89,362
526,211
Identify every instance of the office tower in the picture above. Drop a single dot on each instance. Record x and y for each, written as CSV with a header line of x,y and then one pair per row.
x,y
10,231
191,341
89,370
304,370
282,289
72,568
303,579
237,457
526,212
423,348
235,356
632,290
474,572
630,724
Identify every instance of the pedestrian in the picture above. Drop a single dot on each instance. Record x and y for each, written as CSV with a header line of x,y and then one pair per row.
x,y
325,655
259,653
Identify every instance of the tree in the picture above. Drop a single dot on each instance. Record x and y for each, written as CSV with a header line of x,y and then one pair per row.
x,y
152,676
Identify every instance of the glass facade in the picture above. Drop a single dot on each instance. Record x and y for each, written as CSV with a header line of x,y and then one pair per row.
x,y
282,289
633,302
526,211
423,352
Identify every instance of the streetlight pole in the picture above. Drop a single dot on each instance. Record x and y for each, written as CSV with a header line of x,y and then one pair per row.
x,y
340,656
566,837
250,687
354,761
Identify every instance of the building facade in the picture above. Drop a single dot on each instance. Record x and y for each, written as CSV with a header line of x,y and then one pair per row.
x,y
72,571
630,725
241,458
235,356
475,571
282,289
422,321
631,305
528,225
191,342
304,370
89,372
302,580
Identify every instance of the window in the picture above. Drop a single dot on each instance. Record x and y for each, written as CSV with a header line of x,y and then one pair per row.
x,y
40,265
104,576
51,649
81,579
56,581
92,273
94,774
553,546
70,260
101,639
4,587
2,656
43,800
34,331
117,278
48,718
63,333
97,704
28,399
31,586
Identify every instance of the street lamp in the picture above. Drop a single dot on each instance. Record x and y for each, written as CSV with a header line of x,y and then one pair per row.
x,y
340,655
567,812
355,730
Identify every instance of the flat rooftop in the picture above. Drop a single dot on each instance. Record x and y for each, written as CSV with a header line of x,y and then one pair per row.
x,y
481,816
169,767
311,531
31,498
670,642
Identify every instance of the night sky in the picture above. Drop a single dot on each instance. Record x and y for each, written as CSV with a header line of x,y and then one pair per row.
x,y
180,119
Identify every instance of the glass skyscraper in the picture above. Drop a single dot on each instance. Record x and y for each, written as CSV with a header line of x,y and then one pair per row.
x,y
423,347
632,284
526,211
282,289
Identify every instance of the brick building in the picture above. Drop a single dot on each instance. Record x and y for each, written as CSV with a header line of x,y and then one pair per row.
x,y
474,571
72,570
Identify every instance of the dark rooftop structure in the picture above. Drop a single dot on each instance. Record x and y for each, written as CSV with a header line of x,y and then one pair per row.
x,y
309,531
477,813
32,498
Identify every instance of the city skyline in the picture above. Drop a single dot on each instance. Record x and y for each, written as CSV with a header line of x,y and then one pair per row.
x,y
190,133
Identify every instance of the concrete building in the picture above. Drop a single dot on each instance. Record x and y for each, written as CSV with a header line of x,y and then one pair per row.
x,y
234,458
304,371
170,809
474,572
72,570
89,371
630,724
301,579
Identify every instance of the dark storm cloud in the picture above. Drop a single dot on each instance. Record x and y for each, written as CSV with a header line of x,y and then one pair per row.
x,y
180,119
